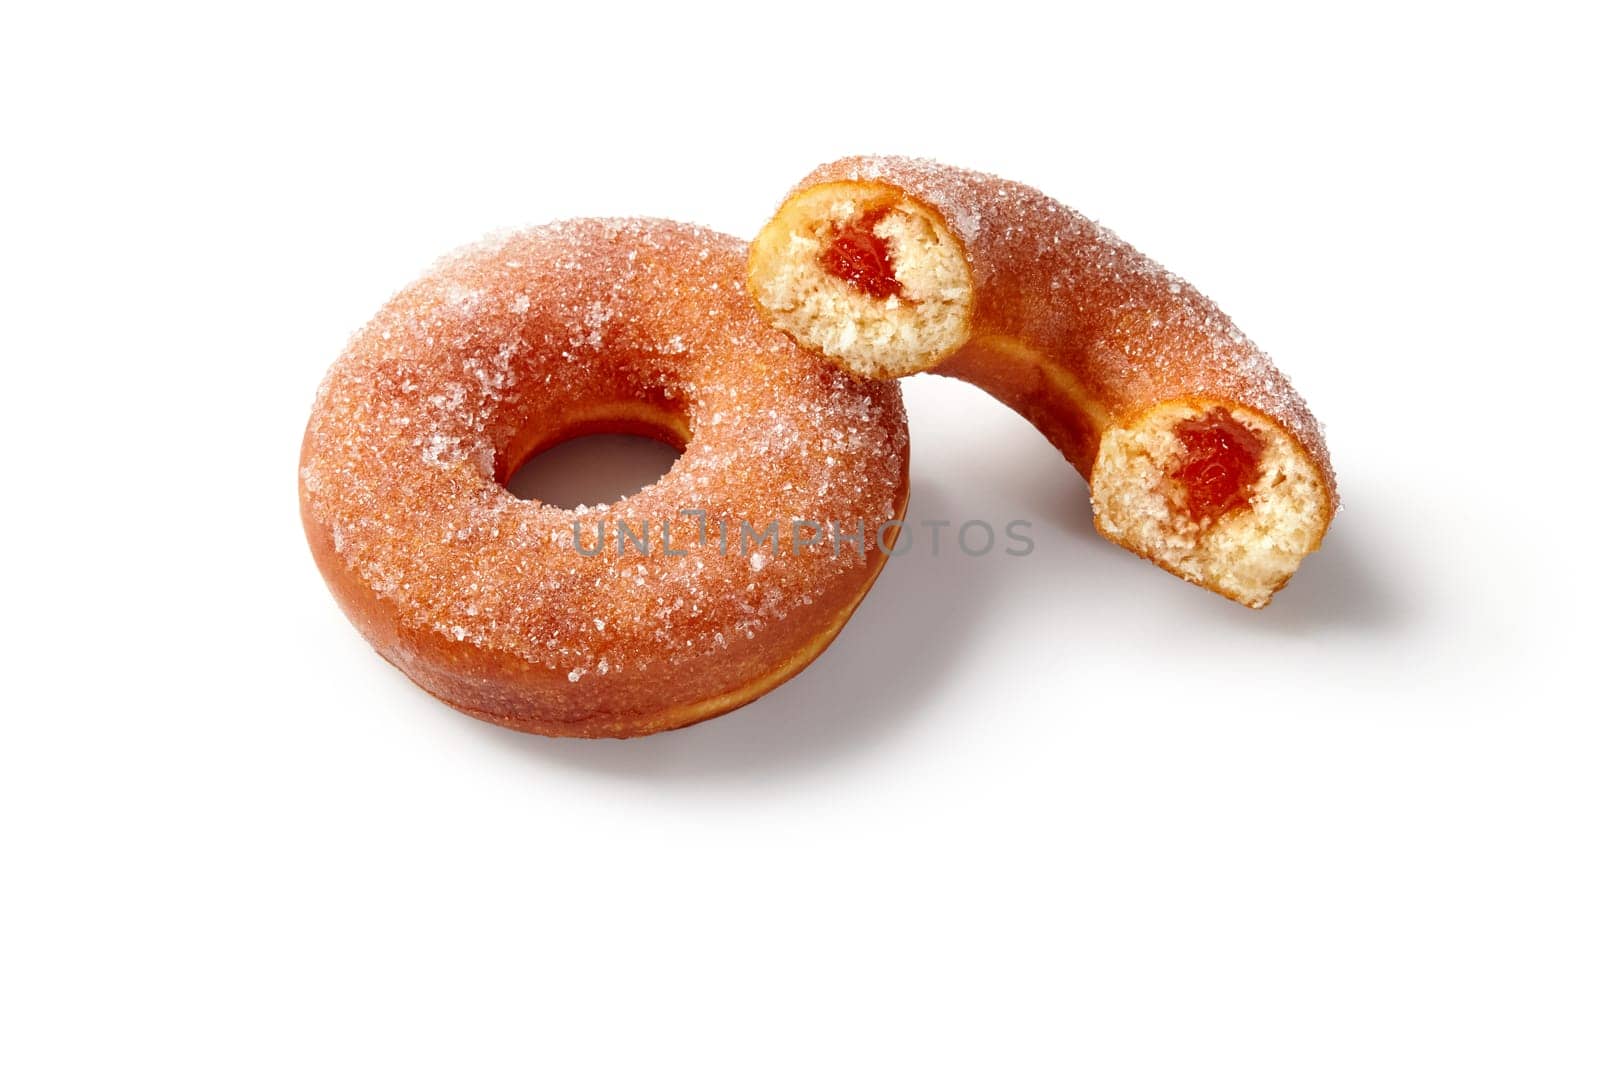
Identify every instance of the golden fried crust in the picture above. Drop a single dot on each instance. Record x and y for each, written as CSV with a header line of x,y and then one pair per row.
x,y
525,340
1121,331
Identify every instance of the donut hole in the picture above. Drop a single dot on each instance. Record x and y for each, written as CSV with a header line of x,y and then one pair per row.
x,y
595,466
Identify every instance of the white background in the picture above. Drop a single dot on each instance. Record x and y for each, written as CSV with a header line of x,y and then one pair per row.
x,y
1054,808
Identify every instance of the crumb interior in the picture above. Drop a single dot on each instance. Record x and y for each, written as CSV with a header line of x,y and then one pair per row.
x,y
1217,494
866,276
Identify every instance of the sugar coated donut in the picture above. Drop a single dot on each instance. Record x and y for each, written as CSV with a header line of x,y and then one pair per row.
x,y
687,599
1199,454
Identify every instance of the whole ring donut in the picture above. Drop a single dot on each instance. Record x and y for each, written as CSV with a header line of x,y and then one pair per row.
x,y
1199,454
687,599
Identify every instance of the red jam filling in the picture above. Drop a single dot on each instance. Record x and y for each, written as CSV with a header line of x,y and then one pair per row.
x,y
857,255
1222,460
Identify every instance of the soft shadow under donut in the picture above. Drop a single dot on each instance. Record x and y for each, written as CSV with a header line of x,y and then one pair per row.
x,y
908,634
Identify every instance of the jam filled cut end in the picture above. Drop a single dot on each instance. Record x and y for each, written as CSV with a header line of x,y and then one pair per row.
x,y
866,275
1220,495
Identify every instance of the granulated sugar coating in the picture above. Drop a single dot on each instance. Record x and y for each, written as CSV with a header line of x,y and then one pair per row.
x,y
531,338
1199,454
1055,280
